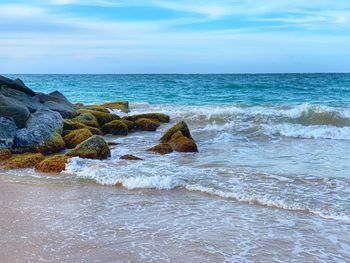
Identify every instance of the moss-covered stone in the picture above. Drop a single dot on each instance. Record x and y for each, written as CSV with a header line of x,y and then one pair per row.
x,y
118,105
101,117
93,148
88,119
95,131
146,124
155,116
181,143
25,160
130,124
130,157
55,164
69,125
5,154
162,148
116,127
76,137
180,126
96,108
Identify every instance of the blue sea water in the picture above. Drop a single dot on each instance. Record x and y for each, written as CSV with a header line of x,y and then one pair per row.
x,y
245,89
272,172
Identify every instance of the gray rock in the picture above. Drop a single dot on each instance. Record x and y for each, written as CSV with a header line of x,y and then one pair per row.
x,y
59,96
14,109
42,133
66,110
7,132
23,99
16,85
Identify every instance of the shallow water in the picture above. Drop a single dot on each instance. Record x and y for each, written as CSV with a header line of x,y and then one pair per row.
x,y
271,181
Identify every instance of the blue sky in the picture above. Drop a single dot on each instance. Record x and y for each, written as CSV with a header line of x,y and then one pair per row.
x,y
154,36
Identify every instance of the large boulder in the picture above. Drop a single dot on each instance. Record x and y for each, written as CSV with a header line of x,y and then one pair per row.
x,y
7,132
93,148
55,164
21,98
26,160
88,119
116,127
181,143
146,124
16,85
66,110
42,133
180,126
14,109
76,137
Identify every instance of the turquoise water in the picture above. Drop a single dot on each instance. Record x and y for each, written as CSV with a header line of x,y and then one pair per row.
x,y
260,89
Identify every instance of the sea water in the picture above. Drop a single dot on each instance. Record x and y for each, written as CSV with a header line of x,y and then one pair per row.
x,y
271,181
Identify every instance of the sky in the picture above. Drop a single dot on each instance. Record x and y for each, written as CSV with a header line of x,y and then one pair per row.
x,y
163,36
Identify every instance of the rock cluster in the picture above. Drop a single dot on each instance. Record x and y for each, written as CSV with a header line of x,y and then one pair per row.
x,y
34,124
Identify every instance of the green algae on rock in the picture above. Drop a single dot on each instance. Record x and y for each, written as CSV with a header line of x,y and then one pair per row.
x,y
180,126
162,148
88,119
155,116
146,124
93,148
101,117
130,157
5,154
25,160
76,137
181,143
54,164
117,105
116,127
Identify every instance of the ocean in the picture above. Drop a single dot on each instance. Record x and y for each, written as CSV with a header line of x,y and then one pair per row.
x,y
270,183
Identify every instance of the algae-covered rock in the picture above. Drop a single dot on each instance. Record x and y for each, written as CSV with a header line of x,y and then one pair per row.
x,y
181,143
55,164
102,117
155,116
146,124
130,157
95,108
25,160
70,125
88,119
180,126
95,131
93,148
76,137
5,154
118,105
116,127
7,132
162,148
130,124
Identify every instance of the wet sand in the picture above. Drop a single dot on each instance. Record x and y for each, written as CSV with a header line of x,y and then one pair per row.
x,y
65,221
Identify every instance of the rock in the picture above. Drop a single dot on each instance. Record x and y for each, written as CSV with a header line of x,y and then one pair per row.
x,y
130,124
7,132
93,148
101,117
95,131
58,95
181,143
155,116
118,105
162,148
42,133
5,154
16,85
25,160
76,137
130,157
66,110
69,125
88,119
95,108
21,98
14,109
116,127
180,126
146,124
55,164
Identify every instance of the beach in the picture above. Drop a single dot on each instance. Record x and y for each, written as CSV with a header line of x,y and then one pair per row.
x,y
269,183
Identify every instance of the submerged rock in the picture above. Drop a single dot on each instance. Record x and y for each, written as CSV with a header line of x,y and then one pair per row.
x,y
55,164
26,160
153,116
76,137
93,148
181,143
146,124
116,127
7,132
118,105
180,126
130,157
162,148
5,154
